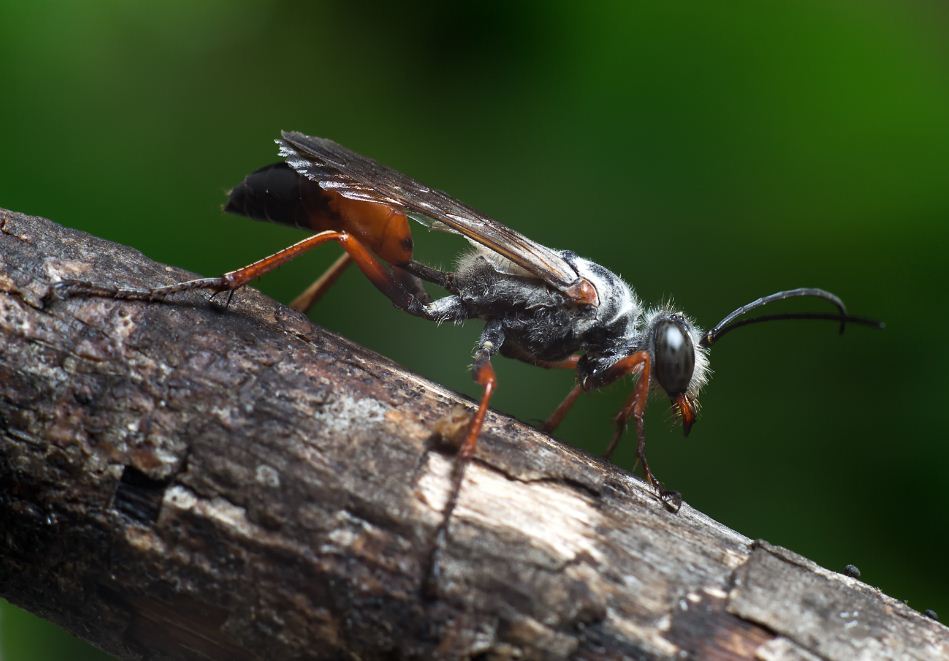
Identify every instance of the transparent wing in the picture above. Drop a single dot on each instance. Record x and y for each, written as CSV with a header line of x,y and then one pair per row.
x,y
336,168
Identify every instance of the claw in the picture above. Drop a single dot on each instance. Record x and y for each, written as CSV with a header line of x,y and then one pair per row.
x,y
61,290
671,499
67,288
227,302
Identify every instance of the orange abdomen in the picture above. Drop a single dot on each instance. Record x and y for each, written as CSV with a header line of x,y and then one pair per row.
x,y
278,193
383,229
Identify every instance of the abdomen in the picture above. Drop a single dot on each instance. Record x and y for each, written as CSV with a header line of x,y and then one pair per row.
x,y
279,194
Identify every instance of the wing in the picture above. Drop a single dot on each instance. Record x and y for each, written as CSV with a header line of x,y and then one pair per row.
x,y
359,178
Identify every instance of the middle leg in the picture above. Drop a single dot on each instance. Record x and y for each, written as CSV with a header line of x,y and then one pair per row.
x,y
492,337
569,363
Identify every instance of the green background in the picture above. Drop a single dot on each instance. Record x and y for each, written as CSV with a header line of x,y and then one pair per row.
x,y
711,153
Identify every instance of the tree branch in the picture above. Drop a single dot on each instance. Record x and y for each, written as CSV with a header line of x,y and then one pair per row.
x,y
176,481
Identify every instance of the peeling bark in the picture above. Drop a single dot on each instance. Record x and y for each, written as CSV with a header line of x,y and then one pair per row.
x,y
179,482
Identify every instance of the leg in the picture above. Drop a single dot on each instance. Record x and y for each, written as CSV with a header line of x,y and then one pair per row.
x,y
566,364
561,411
411,283
234,280
443,279
518,353
308,298
638,361
636,407
564,407
315,291
491,339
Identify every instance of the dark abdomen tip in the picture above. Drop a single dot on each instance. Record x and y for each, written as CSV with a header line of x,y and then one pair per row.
x,y
276,193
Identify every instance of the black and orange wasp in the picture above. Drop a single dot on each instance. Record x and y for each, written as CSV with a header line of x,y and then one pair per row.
x,y
546,307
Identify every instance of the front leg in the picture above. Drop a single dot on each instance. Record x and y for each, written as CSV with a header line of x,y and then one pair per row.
x,y
635,407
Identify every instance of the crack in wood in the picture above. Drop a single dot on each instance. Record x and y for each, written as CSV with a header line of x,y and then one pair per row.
x,y
138,496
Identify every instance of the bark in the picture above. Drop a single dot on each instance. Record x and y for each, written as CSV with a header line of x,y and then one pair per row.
x,y
182,482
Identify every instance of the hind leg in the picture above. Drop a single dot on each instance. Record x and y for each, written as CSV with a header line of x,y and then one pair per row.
x,y
308,298
234,280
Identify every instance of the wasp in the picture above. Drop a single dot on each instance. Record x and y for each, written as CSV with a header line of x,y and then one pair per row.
x,y
547,307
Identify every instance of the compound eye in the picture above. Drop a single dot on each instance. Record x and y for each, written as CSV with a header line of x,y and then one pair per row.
x,y
675,356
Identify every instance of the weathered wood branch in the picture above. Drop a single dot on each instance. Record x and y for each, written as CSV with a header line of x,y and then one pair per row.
x,y
178,482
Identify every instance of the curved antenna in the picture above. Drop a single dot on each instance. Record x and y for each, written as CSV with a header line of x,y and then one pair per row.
x,y
728,323
829,316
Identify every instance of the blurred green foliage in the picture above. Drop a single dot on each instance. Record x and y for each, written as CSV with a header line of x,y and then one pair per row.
x,y
709,152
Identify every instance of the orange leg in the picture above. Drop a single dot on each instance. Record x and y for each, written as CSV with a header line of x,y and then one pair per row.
x,y
491,339
483,372
234,280
566,364
635,407
558,415
519,354
315,291
484,375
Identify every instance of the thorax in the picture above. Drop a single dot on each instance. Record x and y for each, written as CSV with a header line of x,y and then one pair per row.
x,y
540,321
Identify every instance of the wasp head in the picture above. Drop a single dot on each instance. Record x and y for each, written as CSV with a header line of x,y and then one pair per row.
x,y
679,361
